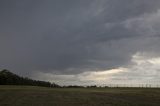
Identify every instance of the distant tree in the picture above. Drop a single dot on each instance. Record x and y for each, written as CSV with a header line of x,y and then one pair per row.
x,y
73,86
92,86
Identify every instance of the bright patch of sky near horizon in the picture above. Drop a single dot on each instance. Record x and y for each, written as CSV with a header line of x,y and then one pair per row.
x,y
147,67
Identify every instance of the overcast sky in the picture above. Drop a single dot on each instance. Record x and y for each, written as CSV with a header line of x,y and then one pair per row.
x,y
81,41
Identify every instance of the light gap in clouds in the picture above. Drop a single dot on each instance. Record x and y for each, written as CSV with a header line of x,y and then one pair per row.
x,y
144,69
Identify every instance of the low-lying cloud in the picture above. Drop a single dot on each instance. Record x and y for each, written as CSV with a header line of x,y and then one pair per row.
x,y
72,38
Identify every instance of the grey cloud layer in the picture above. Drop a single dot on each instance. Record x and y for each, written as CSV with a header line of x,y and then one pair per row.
x,y
72,36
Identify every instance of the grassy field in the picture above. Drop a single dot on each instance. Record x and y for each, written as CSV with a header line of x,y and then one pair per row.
x,y
41,96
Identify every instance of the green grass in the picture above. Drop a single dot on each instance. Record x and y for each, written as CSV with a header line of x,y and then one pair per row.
x,y
41,96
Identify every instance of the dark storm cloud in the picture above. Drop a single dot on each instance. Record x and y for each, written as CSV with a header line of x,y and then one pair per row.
x,y
69,36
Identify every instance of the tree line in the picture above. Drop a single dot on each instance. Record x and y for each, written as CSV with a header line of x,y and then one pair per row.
x,y
8,78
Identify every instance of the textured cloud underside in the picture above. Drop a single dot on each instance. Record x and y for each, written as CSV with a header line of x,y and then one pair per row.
x,y
87,39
